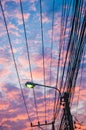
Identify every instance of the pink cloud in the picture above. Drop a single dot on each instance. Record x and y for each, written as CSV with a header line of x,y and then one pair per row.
x,y
16,112
57,30
33,1
23,61
19,17
33,7
12,26
45,19
37,74
14,33
19,117
5,71
23,116
4,105
2,34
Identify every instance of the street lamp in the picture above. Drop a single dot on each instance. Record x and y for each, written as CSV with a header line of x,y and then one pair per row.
x,y
32,85
29,85
64,101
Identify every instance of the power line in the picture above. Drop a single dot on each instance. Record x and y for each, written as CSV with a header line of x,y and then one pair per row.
x,y
64,20
58,66
52,40
72,45
80,84
67,8
75,50
78,54
14,60
68,47
28,55
43,54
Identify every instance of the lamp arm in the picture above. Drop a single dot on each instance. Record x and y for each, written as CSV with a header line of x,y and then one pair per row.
x,y
48,87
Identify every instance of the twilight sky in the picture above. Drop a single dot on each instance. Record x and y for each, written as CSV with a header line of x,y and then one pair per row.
x,y
17,67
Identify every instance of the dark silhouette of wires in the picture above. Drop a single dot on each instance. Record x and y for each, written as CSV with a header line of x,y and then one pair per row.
x,y
14,61
79,52
64,21
68,46
58,67
43,54
81,78
52,40
72,45
75,46
65,16
74,50
28,55
26,39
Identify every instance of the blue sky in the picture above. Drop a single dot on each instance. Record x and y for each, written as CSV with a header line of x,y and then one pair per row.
x,y
13,114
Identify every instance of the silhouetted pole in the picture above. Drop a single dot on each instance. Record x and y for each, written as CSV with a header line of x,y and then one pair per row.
x,y
53,127
67,121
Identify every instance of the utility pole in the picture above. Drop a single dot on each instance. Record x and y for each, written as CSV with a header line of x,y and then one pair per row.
x,y
53,127
66,121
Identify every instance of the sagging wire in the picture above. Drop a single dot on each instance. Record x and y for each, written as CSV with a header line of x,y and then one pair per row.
x,y
14,60
42,36
28,54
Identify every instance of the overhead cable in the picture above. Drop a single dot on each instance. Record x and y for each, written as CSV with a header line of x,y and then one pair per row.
x,y
28,55
14,60
42,36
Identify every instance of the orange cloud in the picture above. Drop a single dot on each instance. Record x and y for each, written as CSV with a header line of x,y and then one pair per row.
x,y
12,26
4,105
5,71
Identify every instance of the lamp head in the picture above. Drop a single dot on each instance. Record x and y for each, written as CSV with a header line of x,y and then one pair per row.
x,y
29,85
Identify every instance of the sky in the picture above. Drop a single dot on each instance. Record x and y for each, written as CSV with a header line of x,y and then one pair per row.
x,y
22,60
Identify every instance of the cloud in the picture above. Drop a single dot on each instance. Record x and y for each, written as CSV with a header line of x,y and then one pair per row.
x,y
19,16
13,93
12,26
16,109
12,105
4,105
10,6
45,19
4,68
13,114
33,7
33,1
